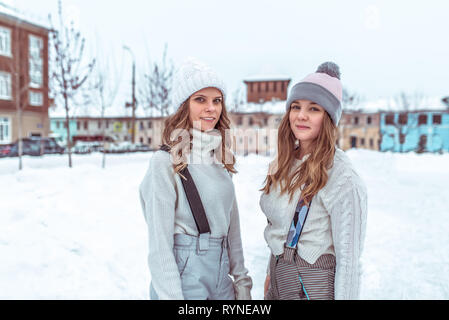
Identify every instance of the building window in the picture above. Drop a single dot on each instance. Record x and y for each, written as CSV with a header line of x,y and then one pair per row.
x,y
259,88
107,124
57,125
371,143
150,125
78,125
141,126
403,117
141,139
356,120
36,45
5,85
266,87
436,119
274,86
389,119
239,121
86,125
368,120
5,41
422,119
250,121
36,98
362,141
5,130
149,140
99,124
282,86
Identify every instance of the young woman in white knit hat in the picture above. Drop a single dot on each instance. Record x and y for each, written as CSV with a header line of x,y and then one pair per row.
x,y
313,198
193,257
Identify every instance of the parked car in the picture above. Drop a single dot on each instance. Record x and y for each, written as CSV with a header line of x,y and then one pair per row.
x,y
143,148
4,150
125,146
36,147
81,148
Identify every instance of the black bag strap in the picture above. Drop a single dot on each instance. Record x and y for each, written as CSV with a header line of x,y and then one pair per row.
x,y
199,215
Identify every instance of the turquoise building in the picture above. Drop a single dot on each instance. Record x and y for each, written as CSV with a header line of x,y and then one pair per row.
x,y
422,131
58,129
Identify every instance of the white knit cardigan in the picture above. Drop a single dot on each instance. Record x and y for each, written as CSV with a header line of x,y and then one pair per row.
x,y
336,223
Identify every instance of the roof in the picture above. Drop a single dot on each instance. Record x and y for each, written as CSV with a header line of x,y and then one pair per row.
x,y
11,14
267,77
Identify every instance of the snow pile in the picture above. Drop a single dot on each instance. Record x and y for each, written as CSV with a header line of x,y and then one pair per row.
x,y
80,234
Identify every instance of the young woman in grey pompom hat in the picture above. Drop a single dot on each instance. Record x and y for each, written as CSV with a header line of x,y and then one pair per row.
x,y
314,200
190,258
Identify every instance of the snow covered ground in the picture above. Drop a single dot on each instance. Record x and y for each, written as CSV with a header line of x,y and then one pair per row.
x,y
80,234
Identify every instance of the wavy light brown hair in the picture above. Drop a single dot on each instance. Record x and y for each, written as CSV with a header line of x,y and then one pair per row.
x,y
177,135
312,174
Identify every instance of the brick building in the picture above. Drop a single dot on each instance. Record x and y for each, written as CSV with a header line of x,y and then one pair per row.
x,y
264,88
23,78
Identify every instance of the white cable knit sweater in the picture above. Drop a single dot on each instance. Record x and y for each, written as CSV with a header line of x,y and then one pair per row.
x,y
167,211
335,224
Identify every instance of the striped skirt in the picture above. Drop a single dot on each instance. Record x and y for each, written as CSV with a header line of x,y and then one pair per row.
x,y
293,278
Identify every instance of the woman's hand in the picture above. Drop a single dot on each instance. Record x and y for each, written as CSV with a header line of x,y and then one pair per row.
x,y
266,285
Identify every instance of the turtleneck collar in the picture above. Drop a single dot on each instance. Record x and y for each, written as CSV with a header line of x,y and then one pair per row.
x,y
202,145
298,162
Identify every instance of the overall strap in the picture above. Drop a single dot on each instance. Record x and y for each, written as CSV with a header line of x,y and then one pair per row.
x,y
193,197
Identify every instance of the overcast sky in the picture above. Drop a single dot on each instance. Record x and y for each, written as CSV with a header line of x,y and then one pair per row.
x,y
382,47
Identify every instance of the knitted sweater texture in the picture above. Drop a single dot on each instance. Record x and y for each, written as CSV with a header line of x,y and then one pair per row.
x,y
336,223
167,212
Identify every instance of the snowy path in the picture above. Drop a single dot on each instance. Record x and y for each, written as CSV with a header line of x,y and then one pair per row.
x,y
80,234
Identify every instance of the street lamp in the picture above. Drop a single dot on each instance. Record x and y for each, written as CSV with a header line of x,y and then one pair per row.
x,y
133,98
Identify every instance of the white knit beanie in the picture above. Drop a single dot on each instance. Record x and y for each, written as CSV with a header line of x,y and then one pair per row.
x,y
191,77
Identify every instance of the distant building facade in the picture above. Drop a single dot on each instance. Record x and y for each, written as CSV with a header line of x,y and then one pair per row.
x,y
359,130
118,129
23,78
266,89
254,132
421,131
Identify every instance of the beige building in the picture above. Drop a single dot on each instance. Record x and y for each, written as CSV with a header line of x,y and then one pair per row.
x,y
149,131
254,132
359,130
251,132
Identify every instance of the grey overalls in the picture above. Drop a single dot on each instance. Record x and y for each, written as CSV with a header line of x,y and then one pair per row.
x,y
203,261
203,265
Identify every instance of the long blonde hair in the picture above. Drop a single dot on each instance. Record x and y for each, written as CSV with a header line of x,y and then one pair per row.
x,y
312,174
174,135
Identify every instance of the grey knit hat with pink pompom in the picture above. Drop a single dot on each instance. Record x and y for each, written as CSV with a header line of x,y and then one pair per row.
x,y
322,87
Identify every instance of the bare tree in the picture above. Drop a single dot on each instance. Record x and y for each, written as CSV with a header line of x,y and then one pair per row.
x,y
238,100
445,100
105,83
156,87
405,103
350,100
69,72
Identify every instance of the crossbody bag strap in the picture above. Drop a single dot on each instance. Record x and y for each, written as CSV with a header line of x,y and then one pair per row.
x,y
193,197
297,224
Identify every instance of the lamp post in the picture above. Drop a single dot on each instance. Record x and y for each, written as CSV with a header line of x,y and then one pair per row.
x,y
133,98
